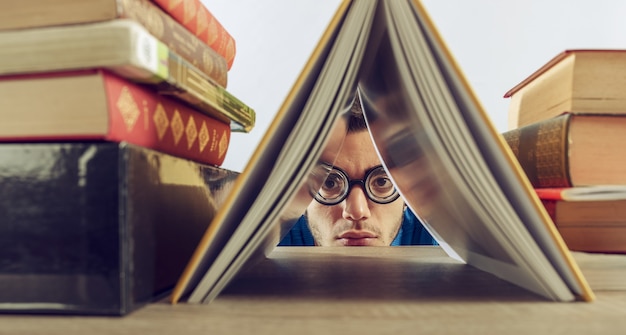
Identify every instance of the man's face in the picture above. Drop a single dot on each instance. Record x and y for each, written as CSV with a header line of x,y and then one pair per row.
x,y
356,220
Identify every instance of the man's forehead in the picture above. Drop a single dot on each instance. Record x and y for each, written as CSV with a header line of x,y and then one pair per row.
x,y
355,156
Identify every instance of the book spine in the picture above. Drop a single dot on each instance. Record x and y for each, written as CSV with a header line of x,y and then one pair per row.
x,y
592,238
196,17
176,37
551,193
542,151
142,117
188,84
174,76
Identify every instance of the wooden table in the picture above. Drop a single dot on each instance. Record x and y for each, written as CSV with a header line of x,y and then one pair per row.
x,y
412,290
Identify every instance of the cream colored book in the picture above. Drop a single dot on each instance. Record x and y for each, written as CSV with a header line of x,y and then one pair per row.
x,y
125,47
586,81
431,133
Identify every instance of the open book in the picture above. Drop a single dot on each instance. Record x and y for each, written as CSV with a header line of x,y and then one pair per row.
x,y
445,157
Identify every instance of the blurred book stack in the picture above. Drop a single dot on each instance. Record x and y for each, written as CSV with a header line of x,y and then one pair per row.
x,y
567,126
115,122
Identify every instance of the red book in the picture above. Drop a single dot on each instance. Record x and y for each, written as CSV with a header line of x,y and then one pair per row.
x,y
583,193
194,15
99,105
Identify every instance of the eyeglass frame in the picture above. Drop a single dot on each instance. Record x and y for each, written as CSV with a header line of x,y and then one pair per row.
x,y
351,182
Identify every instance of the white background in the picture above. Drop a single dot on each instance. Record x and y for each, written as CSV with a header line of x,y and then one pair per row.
x,y
496,43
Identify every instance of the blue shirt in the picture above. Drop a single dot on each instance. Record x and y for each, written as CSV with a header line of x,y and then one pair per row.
x,y
411,232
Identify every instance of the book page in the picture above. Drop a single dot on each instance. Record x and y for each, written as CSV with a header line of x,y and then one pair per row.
x,y
274,199
438,147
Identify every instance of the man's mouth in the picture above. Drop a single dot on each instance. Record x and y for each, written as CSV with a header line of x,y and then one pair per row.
x,y
357,238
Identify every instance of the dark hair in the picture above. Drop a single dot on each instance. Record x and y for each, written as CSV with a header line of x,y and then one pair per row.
x,y
356,121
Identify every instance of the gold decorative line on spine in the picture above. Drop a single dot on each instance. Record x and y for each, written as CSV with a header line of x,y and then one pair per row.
x,y
203,136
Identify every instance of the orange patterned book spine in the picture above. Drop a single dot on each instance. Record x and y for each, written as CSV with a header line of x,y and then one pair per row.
x,y
194,15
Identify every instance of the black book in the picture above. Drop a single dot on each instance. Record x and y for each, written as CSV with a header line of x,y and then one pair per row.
x,y
98,228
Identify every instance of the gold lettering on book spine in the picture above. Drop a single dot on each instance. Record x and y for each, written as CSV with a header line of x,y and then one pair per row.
x,y
550,153
223,145
127,106
191,131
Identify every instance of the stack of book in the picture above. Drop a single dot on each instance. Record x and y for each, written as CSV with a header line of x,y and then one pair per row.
x,y
115,122
567,126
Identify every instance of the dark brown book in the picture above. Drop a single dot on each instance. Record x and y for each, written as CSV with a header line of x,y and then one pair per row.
x,y
572,150
41,13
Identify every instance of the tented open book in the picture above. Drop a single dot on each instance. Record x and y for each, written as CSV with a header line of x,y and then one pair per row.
x,y
445,157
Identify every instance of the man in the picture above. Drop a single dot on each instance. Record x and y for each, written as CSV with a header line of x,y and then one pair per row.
x,y
357,204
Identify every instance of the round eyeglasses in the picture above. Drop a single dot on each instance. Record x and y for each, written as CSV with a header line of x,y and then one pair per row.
x,y
336,187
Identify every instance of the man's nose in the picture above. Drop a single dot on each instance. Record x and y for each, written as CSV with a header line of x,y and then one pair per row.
x,y
356,206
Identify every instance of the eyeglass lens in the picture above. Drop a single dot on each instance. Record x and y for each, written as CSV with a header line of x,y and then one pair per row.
x,y
336,187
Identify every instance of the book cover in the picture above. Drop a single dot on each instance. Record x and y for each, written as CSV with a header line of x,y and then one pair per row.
x,y
42,13
98,228
572,149
194,15
452,168
125,47
99,105
575,80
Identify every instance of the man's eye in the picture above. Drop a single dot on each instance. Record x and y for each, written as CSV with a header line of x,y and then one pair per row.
x,y
333,185
381,186
329,184
382,182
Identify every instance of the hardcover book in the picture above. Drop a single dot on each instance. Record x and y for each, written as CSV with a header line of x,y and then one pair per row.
x,y
42,13
571,150
578,80
194,15
125,47
583,193
99,105
590,225
98,228
454,171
